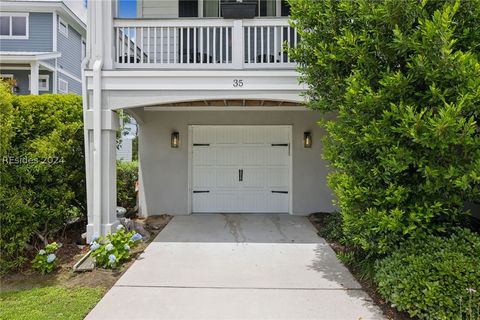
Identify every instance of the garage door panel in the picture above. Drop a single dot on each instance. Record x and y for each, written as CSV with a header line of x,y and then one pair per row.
x,y
277,177
228,201
265,168
277,135
203,135
278,202
228,135
226,178
278,156
254,201
228,156
254,177
253,156
202,177
204,156
203,202
254,135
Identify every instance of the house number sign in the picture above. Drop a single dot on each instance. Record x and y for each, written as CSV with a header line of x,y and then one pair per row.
x,y
237,83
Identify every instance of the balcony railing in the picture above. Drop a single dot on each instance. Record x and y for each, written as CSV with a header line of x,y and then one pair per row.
x,y
204,43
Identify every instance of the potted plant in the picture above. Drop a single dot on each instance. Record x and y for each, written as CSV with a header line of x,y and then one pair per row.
x,y
239,9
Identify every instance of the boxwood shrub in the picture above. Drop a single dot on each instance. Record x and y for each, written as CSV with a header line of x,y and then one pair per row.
x,y
434,277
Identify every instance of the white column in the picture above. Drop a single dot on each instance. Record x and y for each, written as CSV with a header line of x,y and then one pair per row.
x,y
34,69
101,174
237,44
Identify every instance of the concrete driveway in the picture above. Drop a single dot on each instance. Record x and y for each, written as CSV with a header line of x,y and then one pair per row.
x,y
237,266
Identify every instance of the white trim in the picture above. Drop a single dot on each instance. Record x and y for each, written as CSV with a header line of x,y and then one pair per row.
x,y
47,66
212,108
190,162
16,14
68,74
60,80
190,169
54,31
40,77
27,56
63,31
7,67
41,6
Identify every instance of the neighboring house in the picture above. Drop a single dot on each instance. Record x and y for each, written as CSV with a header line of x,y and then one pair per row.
x,y
42,44
125,147
222,128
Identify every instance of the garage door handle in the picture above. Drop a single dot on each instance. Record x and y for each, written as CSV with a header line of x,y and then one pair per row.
x,y
202,191
279,191
240,175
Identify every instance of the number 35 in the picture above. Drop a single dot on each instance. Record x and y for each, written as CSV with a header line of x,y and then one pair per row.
x,y
237,83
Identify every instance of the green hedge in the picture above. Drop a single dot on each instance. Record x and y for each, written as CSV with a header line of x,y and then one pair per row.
x,y
403,80
42,169
127,175
434,277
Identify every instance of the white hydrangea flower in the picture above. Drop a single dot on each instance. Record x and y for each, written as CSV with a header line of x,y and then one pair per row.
x,y
51,257
42,252
109,247
119,227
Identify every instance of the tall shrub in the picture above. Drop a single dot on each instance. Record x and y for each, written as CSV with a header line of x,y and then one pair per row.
x,y
43,172
403,79
127,176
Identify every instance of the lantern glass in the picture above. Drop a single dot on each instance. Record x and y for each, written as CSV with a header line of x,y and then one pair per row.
x,y
175,139
307,139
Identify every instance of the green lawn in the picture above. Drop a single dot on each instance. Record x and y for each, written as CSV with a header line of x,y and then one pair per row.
x,y
49,303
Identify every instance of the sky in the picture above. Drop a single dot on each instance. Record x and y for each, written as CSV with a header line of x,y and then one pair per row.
x,y
127,8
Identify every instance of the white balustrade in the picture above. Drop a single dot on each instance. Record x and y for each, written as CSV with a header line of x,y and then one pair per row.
x,y
203,43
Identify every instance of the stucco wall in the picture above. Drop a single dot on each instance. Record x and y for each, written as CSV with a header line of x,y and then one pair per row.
x,y
165,170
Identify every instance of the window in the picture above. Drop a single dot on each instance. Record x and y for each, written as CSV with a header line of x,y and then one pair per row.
x,y
63,27
84,48
14,26
43,82
62,86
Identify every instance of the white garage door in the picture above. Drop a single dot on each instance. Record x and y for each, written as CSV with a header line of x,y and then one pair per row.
x,y
241,169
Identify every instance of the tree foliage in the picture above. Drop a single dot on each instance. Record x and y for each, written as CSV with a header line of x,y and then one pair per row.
x,y
403,79
42,169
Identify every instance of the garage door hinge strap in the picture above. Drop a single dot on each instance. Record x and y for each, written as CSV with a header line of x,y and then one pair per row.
x,y
202,191
201,144
279,191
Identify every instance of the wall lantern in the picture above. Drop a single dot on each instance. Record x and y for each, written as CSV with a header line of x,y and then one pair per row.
x,y
307,139
175,139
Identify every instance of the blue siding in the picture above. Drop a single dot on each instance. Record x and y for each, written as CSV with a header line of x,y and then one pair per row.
x,y
73,85
71,49
40,35
21,76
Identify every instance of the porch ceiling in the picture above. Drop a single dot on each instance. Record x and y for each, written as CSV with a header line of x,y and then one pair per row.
x,y
233,103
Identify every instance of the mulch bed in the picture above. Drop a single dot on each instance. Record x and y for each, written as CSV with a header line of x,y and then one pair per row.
x,y
69,253
318,220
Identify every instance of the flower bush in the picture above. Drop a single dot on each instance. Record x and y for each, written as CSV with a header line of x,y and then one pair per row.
x,y
114,249
45,260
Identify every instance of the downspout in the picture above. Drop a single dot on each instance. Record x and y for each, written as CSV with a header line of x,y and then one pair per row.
x,y
85,129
